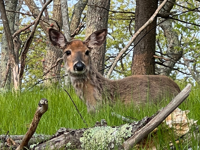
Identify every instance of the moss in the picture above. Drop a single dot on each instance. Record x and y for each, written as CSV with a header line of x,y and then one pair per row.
x,y
105,137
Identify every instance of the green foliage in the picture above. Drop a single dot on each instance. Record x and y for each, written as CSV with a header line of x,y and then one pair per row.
x,y
35,58
119,25
188,31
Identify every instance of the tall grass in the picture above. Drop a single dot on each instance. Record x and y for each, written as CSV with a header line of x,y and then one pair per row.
x,y
17,111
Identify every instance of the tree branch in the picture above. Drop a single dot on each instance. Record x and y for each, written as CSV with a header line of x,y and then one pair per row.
x,y
42,108
29,40
23,29
157,120
76,15
53,66
133,38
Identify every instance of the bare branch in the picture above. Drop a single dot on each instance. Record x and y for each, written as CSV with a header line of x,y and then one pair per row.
x,y
39,81
53,66
167,59
42,108
133,38
76,107
23,29
76,32
151,125
45,11
185,21
76,15
113,11
29,40
172,68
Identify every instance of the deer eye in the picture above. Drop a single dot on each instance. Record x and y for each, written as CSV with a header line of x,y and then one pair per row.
x,y
68,52
87,52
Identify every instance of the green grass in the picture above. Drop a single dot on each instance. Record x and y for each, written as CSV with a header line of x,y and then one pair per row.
x,y
17,111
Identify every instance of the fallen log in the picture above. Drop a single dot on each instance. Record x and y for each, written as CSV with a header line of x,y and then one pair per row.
x,y
106,137
103,137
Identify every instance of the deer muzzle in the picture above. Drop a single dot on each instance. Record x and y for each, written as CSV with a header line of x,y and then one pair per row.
x,y
79,66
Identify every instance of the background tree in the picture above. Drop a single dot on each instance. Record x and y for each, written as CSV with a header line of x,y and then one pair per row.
x,y
143,61
12,19
52,53
176,51
97,18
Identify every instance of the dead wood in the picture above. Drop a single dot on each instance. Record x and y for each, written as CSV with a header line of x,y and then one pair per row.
x,y
151,125
42,108
102,136
134,37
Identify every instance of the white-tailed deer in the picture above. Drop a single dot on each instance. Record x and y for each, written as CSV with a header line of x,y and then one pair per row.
x,y
94,89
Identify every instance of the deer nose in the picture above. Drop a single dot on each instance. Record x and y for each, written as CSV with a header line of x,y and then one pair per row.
x,y
79,66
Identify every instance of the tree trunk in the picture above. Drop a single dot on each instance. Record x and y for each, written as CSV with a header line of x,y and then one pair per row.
x,y
76,15
52,53
172,41
97,18
9,5
51,57
143,60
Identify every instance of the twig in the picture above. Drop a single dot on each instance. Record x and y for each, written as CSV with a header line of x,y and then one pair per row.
x,y
23,29
133,38
154,122
59,59
29,40
78,29
167,59
47,79
113,11
122,117
76,107
42,108
172,68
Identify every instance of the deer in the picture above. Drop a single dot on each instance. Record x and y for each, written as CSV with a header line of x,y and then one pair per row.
x,y
94,89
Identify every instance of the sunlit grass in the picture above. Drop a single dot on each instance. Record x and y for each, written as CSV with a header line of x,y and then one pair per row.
x,y
17,111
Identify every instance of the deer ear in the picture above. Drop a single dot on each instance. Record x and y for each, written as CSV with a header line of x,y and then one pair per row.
x,y
96,38
57,38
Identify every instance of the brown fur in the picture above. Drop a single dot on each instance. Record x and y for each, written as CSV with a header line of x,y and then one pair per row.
x,y
137,89
94,89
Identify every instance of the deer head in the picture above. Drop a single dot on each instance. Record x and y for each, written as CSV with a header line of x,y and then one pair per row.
x,y
76,52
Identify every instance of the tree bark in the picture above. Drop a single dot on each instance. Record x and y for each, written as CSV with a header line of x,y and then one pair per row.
x,y
97,18
9,5
76,15
53,53
173,42
106,137
143,62
11,46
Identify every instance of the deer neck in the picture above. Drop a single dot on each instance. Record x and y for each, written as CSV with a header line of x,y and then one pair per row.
x,y
89,85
